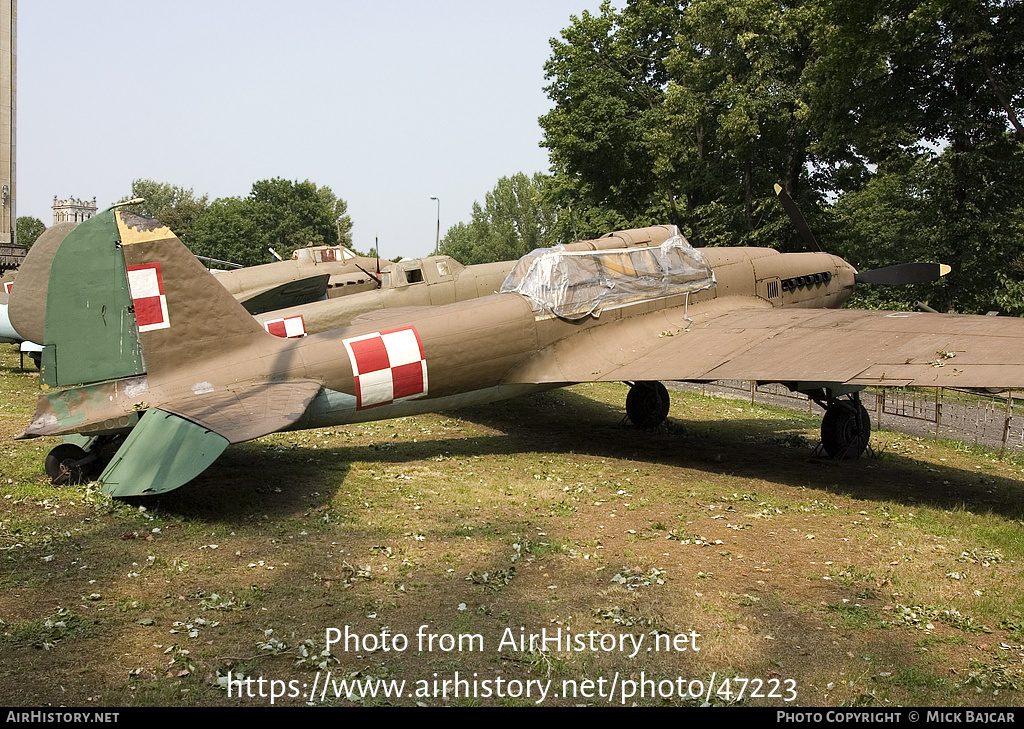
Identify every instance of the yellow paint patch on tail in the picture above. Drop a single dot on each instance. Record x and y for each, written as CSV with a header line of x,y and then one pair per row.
x,y
130,235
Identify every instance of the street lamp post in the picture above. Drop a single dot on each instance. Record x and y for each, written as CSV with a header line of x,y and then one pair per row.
x,y
437,240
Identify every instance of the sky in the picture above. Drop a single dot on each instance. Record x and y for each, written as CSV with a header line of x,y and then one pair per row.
x,y
388,103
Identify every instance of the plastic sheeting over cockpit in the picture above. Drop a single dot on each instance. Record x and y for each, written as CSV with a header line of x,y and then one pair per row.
x,y
573,284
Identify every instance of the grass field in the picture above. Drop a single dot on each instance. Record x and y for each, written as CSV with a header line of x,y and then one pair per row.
x,y
710,554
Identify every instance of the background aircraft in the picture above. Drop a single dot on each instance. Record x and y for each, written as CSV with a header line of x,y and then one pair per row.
x,y
322,287
312,274
149,345
430,281
7,333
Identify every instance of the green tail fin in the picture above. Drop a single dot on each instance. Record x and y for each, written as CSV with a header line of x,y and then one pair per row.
x,y
90,333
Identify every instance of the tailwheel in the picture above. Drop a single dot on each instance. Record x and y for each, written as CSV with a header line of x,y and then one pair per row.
x,y
647,404
65,464
845,429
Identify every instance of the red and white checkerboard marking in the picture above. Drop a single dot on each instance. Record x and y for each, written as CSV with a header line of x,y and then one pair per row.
x,y
147,287
287,327
387,366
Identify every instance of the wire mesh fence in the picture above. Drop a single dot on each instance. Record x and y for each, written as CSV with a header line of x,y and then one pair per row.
x,y
995,420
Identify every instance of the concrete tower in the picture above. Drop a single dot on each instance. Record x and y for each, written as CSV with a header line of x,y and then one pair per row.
x,y
8,116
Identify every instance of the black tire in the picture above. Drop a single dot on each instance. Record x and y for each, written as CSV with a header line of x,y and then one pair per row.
x,y
647,404
845,430
60,466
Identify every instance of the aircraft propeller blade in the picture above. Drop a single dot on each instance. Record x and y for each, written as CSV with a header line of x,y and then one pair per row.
x,y
903,273
898,275
796,216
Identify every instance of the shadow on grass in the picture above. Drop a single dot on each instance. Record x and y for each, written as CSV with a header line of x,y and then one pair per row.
x,y
253,480
260,479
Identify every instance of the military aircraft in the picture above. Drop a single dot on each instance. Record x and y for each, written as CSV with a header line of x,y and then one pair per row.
x,y
418,282
327,273
47,239
148,347
312,274
7,333
320,288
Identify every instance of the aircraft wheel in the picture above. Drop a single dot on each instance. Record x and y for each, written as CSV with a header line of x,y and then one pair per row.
x,y
647,404
845,429
61,465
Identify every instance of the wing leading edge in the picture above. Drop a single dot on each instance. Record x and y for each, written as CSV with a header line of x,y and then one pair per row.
x,y
791,345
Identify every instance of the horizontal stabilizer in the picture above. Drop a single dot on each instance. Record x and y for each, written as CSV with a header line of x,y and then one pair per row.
x,y
171,446
902,274
162,453
247,410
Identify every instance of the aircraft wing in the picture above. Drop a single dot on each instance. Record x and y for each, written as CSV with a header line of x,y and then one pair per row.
x,y
791,345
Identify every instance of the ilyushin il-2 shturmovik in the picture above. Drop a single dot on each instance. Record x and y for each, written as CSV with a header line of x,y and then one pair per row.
x,y
319,274
329,273
148,354
430,281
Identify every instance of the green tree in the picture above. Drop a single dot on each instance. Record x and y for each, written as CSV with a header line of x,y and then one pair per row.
x,y
29,229
176,207
226,231
688,112
276,214
516,217
297,214
927,94
685,112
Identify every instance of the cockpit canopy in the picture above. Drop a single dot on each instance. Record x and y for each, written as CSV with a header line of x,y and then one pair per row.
x,y
572,283
323,254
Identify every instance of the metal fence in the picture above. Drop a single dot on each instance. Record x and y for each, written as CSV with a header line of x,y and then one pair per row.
x,y
995,420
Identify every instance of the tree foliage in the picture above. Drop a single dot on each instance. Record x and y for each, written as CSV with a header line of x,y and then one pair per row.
x,y
684,113
894,124
296,214
174,206
227,232
277,214
935,90
516,217
29,229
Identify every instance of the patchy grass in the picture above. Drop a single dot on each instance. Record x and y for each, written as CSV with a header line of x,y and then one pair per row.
x,y
441,544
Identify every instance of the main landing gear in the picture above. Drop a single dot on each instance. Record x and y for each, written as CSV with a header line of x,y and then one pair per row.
x,y
647,404
846,427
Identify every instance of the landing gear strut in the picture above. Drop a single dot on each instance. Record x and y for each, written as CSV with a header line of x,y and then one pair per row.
x,y
846,427
647,404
